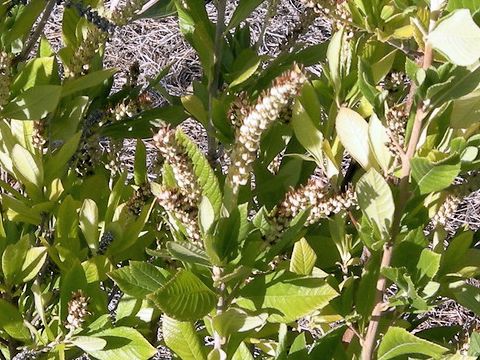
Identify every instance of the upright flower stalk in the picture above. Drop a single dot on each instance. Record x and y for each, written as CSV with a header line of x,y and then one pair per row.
x,y
183,200
267,110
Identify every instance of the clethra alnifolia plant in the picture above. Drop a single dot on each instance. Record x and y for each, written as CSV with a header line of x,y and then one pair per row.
x,y
316,220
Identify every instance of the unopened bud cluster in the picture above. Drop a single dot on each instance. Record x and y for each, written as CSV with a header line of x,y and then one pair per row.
x,y
27,355
396,121
87,156
105,241
77,310
176,202
83,55
454,198
91,15
260,117
239,109
315,195
38,134
123,15
394,81
338,13
139,198
182,201
5,77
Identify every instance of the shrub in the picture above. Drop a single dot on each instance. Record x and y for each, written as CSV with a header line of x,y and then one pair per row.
x,y
319,234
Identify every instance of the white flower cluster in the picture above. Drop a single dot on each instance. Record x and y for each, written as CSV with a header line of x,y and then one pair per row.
x,y
182,201
338,13
314,195
268,109
77,310
5,77
454,198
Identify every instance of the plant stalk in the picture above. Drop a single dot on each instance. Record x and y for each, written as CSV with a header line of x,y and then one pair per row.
x,y
37,33
403,196
218,340
215,79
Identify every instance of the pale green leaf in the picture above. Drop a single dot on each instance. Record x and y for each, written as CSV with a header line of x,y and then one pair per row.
x,y
11,321
27,166
34,260
287,296
88,219
431,176
466,111
89,343
184,297
352,130
123,343
458,38
34,103
188,252
303,258
398,341
235,320
376,201
181,337
138,279
378,138
95,78
306,132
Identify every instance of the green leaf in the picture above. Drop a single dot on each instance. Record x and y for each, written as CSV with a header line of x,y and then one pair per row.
x,y
204,173
206,214
303,258
306,132
188,252
474,348
466,111
285,295
89,343
13,259
184,297
28,167
378,139
242,11
458,38
244,67
398,341
376,201
235,320
81,83
123,343
11,321
57,165
34,260
36,72
242,353
181,337
88,218
352,130
157,9
472,5
428,264
140,166
34,103
139,278
434,176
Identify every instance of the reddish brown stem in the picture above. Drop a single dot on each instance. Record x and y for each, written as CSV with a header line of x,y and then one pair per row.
x,y
403,196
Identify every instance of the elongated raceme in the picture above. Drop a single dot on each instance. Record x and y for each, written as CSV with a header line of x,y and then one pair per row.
x,y
121,16
182,201
268,109
453,199
316,195
77,310
5,77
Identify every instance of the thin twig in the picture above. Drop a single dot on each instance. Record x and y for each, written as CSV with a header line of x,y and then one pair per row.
x,y
37,33
271,10
404,195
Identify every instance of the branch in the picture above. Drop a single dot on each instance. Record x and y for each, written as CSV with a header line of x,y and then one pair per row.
x,y
215,79
403,196
218,340
37,33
